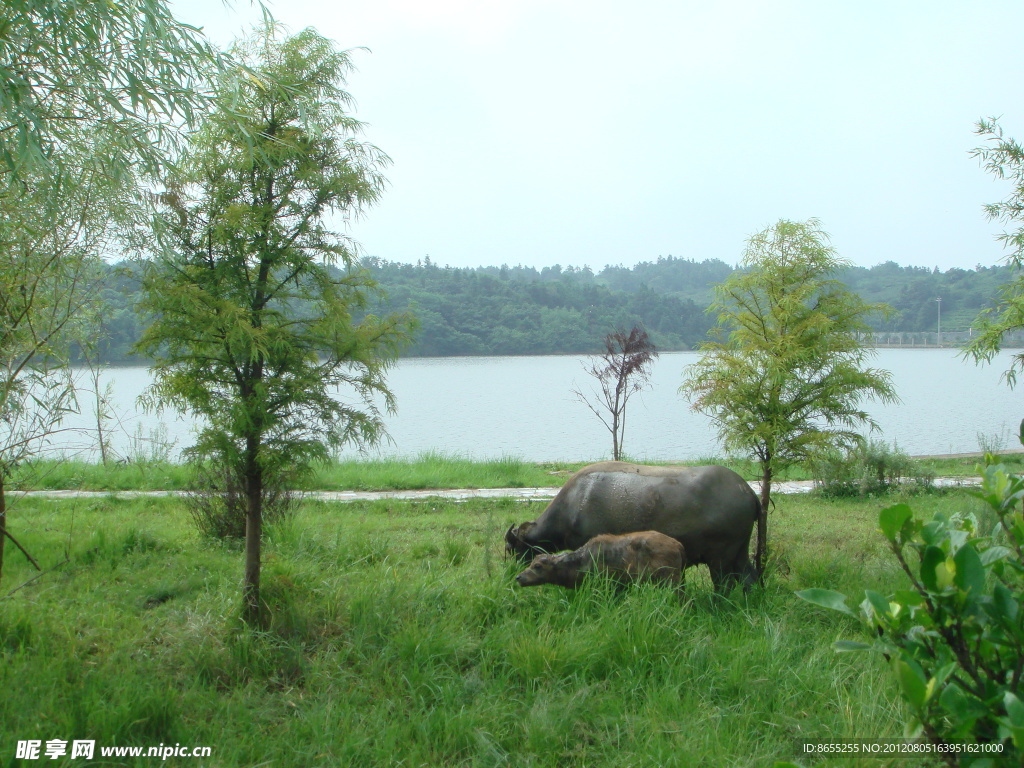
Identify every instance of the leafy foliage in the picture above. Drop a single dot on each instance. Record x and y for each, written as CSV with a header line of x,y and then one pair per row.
x,y
119,70
911,292
788,380
1004,158
89,94
464,311
48,253
955,640
242,224
867,468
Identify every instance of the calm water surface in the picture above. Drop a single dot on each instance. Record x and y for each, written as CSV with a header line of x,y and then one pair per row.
x,y
487,407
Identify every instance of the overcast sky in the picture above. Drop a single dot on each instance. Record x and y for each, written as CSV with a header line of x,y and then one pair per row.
x,y
587,132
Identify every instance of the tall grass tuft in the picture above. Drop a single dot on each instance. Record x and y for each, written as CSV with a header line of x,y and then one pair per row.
x,y
433,469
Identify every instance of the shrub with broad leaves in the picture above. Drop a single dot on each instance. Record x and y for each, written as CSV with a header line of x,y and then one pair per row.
x,y
955,638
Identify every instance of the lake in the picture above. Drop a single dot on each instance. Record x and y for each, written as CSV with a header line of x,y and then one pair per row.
x,y
488,407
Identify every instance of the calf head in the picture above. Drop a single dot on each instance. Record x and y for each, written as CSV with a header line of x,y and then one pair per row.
x,y
564,570
543,570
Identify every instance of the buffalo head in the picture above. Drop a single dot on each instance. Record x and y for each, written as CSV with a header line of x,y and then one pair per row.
x,y
515,542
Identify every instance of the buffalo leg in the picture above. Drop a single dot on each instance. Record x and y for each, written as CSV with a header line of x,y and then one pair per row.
x,y
724,577
720,577
681,585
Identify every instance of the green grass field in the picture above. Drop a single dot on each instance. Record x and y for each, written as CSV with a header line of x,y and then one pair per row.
x,y
398,638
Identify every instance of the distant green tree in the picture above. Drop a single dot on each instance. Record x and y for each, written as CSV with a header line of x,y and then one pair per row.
x,y
252,331
1004,158
788,380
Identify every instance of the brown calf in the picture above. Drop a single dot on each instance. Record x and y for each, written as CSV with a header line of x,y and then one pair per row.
x,y
629,557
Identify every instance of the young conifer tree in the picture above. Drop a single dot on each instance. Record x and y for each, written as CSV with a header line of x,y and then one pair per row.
x,y
790,376
254,294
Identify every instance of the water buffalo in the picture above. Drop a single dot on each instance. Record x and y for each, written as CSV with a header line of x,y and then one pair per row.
x,y
710,510
629,557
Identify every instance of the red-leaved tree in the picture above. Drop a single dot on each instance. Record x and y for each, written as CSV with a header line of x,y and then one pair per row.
x,y
621,371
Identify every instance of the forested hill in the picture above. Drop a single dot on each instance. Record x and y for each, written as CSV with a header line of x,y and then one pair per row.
x,y
521,310
518,310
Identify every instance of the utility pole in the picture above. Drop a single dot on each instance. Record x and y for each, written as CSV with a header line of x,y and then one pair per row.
x,y
938,341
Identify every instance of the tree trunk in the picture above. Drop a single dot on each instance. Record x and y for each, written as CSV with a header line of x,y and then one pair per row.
x,y
100,436
622,430
618,418
761,553
3,522
253,609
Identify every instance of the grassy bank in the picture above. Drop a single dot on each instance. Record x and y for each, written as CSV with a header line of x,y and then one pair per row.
x,y
398,639
431,470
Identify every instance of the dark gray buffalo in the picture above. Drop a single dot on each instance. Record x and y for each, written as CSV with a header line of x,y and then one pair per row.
x,y
710,510
626,558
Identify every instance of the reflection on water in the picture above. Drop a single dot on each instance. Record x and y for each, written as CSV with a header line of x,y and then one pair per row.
x,y
485,407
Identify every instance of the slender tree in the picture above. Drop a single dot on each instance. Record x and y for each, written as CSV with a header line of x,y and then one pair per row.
x,y
253,294
622,370
1004,158
789,377
90,94
50,247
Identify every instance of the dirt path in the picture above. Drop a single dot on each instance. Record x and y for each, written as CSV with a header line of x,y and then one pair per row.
x,y
457,494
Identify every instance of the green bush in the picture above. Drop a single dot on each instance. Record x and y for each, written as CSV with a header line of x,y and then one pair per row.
x,y
217,502
869,468
955,640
